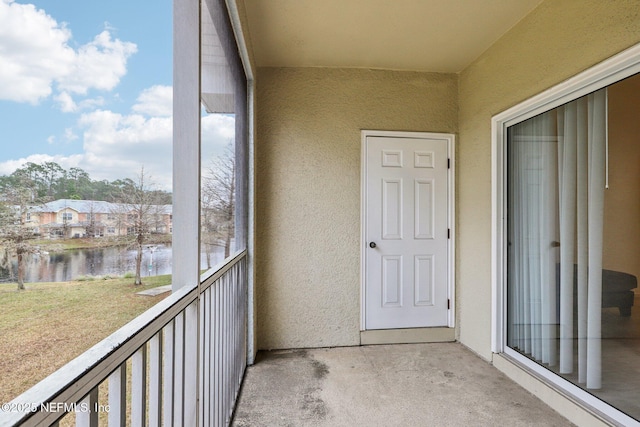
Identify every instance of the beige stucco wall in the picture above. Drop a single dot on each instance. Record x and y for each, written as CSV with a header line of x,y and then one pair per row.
x,y
556,41
308,152
308,165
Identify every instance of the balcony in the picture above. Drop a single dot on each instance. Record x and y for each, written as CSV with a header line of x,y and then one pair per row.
x,y
183,362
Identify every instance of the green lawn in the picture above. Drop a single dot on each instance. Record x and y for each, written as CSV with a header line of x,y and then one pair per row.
x,y
48,324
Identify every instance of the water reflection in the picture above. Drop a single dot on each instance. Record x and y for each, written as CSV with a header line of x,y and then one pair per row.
x,y
71,264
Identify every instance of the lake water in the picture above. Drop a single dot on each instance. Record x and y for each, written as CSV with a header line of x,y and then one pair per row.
x,y
71,264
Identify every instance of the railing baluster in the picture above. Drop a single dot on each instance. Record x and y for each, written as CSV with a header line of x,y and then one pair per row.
x,y
178,371
168,349
86,413
227,344
139,387
205,365
218,356
155,380
118,397
241,332
191,365
238,335
212,356
203,351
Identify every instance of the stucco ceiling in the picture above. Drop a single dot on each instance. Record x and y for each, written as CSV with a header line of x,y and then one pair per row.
x,y
420,35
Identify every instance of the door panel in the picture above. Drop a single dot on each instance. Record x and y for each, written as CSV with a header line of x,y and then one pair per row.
x,y
391,281
406,217
424,205
392,208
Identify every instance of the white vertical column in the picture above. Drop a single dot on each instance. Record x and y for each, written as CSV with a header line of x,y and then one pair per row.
x,y
186,143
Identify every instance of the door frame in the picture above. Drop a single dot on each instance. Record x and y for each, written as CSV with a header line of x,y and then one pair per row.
x,y
450,140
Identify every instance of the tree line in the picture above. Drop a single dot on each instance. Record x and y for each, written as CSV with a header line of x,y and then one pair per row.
x,y
44,182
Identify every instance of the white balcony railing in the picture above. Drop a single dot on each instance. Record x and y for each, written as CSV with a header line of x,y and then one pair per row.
x,y
186,356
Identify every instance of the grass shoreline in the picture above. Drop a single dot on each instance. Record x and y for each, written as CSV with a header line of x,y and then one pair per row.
x,y
48,324
59,245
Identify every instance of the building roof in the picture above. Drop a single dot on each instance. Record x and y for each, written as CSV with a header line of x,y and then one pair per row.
x,y
77,205
86,206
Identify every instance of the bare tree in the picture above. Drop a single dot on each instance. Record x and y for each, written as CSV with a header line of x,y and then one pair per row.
x,y
91,223
140,203
15,234
218,203
117,217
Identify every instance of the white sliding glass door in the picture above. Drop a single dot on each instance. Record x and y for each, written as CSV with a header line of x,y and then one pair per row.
x,y
566,251
556,178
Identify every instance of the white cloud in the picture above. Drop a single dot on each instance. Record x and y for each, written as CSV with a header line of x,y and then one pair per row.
x,y
91,103
8,167
115,146
99,64
155,101
68,105
35,57
69,135
34,52
118,145
218,130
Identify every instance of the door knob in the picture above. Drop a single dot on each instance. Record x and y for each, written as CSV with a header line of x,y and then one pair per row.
x,y
372,245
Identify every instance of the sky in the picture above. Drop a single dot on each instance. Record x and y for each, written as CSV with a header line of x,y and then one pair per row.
x,y
89,84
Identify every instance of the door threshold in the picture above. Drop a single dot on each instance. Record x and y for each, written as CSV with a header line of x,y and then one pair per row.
x,y
407,336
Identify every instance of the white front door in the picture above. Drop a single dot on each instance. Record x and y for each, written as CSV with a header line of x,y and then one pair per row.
x,y
406,232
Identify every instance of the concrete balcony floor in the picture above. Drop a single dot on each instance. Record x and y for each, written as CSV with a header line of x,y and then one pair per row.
x,y
441,384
